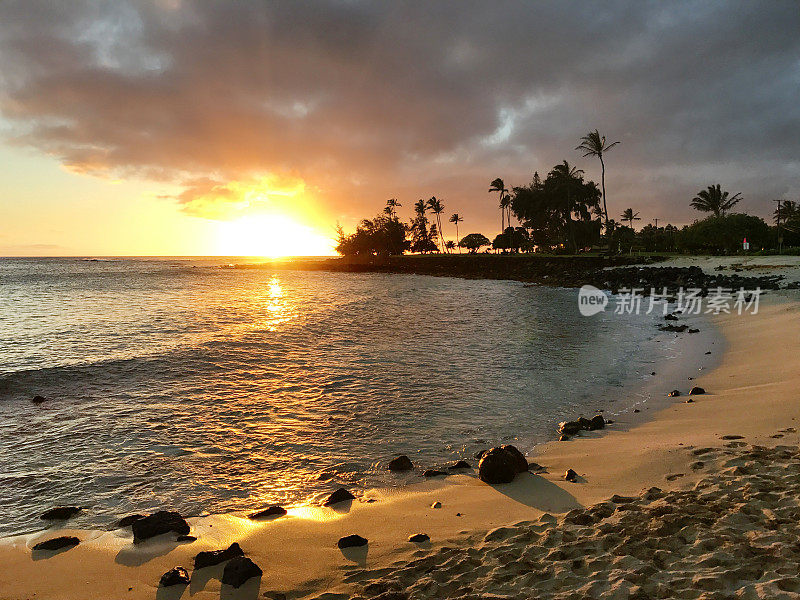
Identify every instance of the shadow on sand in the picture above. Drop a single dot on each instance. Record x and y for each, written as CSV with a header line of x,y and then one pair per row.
x,y
537,492
172,592
200,577
248,590
135,555
357,554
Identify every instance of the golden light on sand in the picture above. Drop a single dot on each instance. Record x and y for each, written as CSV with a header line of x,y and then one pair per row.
x,y
271,236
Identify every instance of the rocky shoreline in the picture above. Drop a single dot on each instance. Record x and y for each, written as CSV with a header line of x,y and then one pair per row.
x,y
604,272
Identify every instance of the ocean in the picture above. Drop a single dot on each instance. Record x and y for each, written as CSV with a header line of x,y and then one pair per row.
x,y
190,385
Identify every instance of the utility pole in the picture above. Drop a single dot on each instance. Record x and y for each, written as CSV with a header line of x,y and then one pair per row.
x,y
778,222
656,222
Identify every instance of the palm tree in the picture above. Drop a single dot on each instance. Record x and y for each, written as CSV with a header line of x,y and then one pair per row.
x,y
713,199
497,185
786,210
436,207
391,207
630,216
594,144
419,207
567,178
456,219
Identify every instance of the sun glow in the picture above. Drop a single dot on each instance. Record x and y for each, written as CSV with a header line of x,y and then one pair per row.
x,y
271,235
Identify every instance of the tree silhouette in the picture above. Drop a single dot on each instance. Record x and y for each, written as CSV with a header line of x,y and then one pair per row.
x,y
497,185
436,207
567,180
421,237
630,216
715,200
391,207
456,219
473,241
594,144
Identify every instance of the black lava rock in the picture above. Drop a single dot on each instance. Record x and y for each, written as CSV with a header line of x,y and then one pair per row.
x,y
597,422
209,558
696,391
163,521
65,541
272,511
462,464
128,520
401,463
340,495
520,462
176,576
433,473
571,475
674,394
38,399
60,513
239,570
352,541
569,427
498,466
419,538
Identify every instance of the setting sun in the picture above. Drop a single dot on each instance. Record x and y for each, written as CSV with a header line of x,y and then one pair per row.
x,y
271,235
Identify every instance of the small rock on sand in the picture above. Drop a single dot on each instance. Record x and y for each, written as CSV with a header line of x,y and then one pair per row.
x,y
239,570
436,504
38,399
520,462
65,541
210,558
340,495
352,541
433,473
674,394
176,576
696,391
60,513
462,464
272,511
128,520
571,475
163,521
498,466
419,538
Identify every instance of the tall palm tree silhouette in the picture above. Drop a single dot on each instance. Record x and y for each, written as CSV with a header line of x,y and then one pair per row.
x,y
715,200
594,144
391,207
567,179
497,185
630,216
456,219
436,207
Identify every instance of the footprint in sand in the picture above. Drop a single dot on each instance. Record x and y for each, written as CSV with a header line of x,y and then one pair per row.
x,y
674,476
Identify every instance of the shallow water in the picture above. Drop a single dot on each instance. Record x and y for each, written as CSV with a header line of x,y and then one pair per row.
x,y
183,384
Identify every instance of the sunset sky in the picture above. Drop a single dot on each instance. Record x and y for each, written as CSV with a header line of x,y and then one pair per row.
x,y
171,128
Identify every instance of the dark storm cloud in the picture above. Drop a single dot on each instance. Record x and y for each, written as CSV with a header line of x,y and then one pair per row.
x,y
366,100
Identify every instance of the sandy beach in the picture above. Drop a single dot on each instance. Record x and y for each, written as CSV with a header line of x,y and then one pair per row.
x,y
721,523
